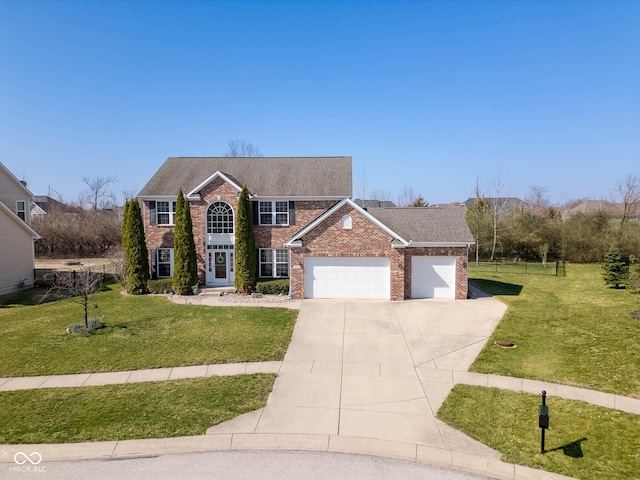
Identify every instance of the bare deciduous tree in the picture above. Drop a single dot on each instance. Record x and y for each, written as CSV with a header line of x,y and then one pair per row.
x,y
97,193
498,186
537,200
240,148
78,286
381,195
627,192
406,197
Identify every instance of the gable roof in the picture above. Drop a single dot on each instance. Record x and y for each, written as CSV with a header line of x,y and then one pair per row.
x,y
264,176
427,225
15,180
347,201
21,223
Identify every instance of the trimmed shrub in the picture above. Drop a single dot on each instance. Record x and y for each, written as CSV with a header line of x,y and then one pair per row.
x,y
273,287
94,324
161,286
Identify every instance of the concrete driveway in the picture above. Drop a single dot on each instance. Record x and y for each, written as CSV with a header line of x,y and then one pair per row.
x,y
370,374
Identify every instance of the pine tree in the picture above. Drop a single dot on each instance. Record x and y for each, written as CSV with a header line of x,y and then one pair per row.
x,y
614,268
185,269
245,279
135,249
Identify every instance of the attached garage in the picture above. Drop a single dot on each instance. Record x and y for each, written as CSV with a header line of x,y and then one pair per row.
x,y
347,277
433,277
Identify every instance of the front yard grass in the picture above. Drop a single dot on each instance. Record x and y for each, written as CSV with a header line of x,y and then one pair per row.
x,y
572,330
584,441
142,332
130,411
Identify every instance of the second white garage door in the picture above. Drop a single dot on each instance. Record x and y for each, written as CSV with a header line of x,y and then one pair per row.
x,y
433,277
346,277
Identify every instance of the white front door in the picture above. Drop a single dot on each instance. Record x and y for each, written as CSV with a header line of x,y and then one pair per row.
x,y
220,265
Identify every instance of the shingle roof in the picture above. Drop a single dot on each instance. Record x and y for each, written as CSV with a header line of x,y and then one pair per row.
x,y
427,224
264,176
374,203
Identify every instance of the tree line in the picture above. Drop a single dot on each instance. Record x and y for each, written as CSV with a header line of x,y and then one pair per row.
x,y
524,235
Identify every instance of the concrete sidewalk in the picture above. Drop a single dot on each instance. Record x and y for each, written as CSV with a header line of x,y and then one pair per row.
x,y
360,377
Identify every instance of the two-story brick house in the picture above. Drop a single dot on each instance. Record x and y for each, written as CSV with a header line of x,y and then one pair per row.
x,y
307,229
16,234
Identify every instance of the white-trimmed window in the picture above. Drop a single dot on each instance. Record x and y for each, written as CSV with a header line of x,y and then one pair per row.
x,y
274,263
274,213
165,212
220,218
21,209
347,222
164,262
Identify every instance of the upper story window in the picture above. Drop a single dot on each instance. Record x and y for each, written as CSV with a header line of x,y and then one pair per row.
x,y
165,211
274,213
220,218
21,209
347,222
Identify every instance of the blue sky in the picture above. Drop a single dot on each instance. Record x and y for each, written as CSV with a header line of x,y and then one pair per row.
x,y
428,95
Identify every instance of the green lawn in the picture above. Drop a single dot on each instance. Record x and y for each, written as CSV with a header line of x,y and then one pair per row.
x,y
584,441
142,332
572,330
120,412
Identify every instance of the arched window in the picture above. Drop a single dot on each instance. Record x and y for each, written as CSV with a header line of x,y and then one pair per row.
x,y
347,222
219,218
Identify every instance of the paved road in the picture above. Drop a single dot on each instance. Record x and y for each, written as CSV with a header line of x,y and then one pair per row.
x,y
251,465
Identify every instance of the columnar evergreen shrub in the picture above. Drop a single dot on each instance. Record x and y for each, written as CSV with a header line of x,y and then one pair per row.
x,y
245,279
185,269
135,249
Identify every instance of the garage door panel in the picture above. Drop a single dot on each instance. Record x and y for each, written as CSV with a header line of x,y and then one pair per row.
x,y
347,277
433,277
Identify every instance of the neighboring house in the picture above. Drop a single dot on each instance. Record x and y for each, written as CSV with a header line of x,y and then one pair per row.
x,y
16,234
307,229
594,206
374,203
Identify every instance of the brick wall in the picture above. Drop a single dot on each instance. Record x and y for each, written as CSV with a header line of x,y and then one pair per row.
x,y
365,239
161,236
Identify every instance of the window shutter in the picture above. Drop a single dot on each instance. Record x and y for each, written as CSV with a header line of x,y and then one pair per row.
x,y
152,212
292,212
254,212
154,263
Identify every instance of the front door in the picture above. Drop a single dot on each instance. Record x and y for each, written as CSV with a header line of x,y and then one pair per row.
x,y
220,266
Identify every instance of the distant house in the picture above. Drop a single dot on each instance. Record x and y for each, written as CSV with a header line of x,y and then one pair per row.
x,y
16,234
503,205
374,203
307,229
594,206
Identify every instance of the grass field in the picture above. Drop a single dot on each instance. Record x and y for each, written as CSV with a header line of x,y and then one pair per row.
x,y
142,332
121,412
572,330
584,441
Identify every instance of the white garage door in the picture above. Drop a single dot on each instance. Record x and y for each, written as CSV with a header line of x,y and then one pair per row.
x,y
346,277
433,277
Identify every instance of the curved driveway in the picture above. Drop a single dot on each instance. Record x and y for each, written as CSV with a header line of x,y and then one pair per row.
x,y
366,376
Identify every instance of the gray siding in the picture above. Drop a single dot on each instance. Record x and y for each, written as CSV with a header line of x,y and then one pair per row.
x,y
16,255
